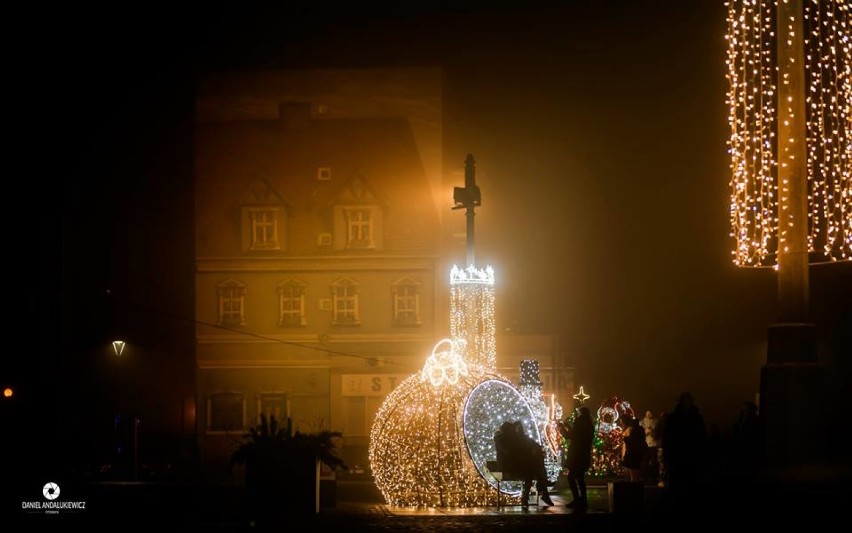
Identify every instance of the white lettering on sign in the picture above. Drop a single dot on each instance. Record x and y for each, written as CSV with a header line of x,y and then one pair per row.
x,y
370,384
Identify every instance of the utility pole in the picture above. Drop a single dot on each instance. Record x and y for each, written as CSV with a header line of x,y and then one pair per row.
x,y
468,197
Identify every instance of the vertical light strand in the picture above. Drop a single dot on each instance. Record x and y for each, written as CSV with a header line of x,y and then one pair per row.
x,y
472,313
827,71
757,227
844,189
752,115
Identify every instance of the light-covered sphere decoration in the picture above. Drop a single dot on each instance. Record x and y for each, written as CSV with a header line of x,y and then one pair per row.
x,y
490,404
417,446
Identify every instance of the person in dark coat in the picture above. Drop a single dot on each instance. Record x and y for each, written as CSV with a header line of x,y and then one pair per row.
x,y
506,445
521,456
634,449
684,449
578,458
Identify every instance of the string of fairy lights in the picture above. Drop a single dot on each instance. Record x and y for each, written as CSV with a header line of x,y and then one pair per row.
x,y
829,135
752,74
417,448
433,435
472,317
489,404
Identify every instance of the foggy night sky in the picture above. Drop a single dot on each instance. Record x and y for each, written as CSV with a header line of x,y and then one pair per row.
x,y
599,129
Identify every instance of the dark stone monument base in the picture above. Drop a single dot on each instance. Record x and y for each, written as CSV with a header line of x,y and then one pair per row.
x,y
792,398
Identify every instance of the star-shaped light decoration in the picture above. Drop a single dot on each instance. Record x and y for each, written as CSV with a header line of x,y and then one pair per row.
x,y
581,396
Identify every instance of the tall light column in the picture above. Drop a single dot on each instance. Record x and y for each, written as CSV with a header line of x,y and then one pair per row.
x,y
792,170
791,381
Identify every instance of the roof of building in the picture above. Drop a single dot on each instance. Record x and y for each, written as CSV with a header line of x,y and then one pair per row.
x,y
371,160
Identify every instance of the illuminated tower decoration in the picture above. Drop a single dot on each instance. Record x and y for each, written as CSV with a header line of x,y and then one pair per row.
x,y
471,289
545,415
472,313
790,117
434,433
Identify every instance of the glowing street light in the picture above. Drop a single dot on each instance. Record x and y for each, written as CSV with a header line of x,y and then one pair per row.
x,y
118,347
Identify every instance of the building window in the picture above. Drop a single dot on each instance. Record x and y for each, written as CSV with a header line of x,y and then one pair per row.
x,y
291,303
232,303
264,228
359,228
344,302
359,413
226,412
275,404
263,218
406,302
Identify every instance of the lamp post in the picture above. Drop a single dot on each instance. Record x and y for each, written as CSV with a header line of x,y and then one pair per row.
x,y
118,347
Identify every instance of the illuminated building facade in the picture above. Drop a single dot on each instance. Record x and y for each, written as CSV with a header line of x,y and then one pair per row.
x,y
317,253
322,238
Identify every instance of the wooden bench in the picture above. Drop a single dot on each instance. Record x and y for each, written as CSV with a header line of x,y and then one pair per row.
x,y
497,471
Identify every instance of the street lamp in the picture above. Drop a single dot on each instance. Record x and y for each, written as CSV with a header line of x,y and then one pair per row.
x,y
118,347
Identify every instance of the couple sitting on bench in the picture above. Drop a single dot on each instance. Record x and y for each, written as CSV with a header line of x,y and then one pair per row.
x,y
521,457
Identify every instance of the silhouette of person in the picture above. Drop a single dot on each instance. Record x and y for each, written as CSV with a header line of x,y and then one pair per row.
x,y
659,430
532,465
522,456
684,449
634,449
578,458
746,442
507,455
650,469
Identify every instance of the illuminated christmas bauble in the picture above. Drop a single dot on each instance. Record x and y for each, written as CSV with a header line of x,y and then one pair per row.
x,y
434,433
417,447
417,450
